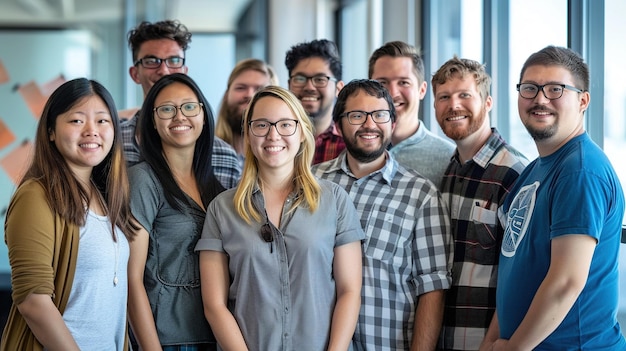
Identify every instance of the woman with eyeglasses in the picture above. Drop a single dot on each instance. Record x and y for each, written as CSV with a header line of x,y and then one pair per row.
x,y
67,229
280,255
170,192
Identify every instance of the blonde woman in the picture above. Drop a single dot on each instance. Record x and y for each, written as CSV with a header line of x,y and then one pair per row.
x,y
280,255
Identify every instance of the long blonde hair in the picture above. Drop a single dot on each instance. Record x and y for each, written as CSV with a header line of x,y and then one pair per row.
x,y
304,181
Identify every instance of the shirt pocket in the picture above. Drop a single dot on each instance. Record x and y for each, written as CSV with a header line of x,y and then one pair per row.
x,y
386,233
484,236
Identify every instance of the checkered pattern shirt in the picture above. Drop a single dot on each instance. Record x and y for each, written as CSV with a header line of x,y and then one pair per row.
x,y
224,160
328,145
474,190
407,250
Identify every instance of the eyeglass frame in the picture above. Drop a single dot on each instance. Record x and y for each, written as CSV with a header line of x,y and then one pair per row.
x,y
273,124
160,61
367,114
307,78
540,88
178,108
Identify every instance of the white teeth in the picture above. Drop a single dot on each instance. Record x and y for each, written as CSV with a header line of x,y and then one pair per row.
x,y
456,118
309,98
542,113
369,136
90,146
274,148
181,128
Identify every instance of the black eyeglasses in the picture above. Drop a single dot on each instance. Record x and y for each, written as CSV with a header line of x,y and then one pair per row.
x,y
550,91
188,109
268,235
284,127
358,117
319,81
155,62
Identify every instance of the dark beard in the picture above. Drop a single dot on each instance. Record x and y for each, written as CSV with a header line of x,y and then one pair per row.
x,y
542,134
235,120
363,156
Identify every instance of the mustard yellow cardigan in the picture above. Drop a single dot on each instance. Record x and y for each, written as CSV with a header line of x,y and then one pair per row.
x,y
43,248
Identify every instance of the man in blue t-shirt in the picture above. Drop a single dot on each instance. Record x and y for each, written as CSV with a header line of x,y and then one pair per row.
x,y
558,277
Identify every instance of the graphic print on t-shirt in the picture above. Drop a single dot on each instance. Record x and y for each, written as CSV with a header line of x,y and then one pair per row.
x,y
518,217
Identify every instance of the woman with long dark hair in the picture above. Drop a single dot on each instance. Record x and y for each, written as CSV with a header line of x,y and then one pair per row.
x,y
170,192
67,229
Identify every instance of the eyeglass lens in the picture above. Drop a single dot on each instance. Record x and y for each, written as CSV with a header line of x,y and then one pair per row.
x,y
360,117
550,91
189,109
319,81
284,127
155,62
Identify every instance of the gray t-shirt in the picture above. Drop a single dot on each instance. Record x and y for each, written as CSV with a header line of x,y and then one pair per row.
x,y
425,153
96,309
283,293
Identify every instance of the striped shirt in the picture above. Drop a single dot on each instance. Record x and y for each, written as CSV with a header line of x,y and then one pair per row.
x,y
406,253
473,191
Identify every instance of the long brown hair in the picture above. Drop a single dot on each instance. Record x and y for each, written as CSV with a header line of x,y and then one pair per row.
x,y
64,193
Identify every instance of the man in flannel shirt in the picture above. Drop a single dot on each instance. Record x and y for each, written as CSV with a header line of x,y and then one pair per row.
x,y
407,251
315,78
158,49
479,176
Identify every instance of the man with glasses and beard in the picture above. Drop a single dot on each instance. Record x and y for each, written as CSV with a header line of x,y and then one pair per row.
x,y
558,278
407,251
479,176
248,76
315,78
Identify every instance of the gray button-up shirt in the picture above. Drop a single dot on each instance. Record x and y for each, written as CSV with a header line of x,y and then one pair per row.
x,y
283,292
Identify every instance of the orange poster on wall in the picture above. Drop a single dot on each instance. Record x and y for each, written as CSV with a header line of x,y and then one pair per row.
x,y
4,75
49,87
16,161
34,98
6,136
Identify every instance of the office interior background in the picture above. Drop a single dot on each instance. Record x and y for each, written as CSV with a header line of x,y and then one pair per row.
x,y
44,42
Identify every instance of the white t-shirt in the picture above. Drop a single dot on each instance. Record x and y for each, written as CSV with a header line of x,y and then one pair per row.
x,y
96,310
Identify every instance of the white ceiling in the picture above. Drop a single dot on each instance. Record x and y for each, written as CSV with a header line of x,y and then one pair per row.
x,y
197,15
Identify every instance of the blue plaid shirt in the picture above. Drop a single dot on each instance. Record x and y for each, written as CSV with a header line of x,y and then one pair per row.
x,y
406,253
224,160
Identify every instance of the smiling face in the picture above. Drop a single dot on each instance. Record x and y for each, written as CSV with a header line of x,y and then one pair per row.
x,y
240,93
317,102
366,142
552,122
180,131
460,109
84,135
159,48
274,151
397,74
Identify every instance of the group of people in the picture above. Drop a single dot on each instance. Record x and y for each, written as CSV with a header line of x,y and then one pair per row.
x,y
324,216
